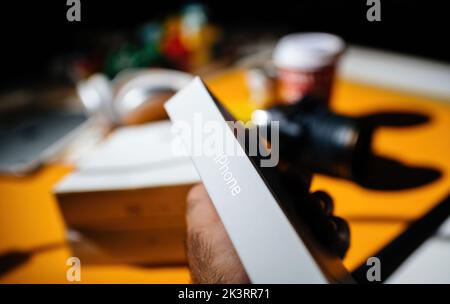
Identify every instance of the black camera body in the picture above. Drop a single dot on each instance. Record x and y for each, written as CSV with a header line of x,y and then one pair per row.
x,y
314,138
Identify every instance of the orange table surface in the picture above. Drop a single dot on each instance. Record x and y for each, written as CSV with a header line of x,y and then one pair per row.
x,y
30,217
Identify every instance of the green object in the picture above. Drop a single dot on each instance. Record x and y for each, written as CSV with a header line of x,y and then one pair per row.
x,y
131,56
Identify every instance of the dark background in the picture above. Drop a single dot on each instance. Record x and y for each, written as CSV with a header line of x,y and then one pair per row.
x,y
32,32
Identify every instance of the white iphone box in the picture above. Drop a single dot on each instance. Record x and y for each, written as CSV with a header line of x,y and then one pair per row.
x,y
272,243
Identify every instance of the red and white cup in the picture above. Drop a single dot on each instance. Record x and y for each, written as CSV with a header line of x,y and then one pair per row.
x,y
306,64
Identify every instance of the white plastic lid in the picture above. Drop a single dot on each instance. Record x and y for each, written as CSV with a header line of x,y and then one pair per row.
x,y
307,51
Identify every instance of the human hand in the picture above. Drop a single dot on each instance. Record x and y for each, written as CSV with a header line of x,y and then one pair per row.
x,y
211,256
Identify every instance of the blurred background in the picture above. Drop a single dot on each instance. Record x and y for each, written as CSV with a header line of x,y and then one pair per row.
x,y
85,161
37,35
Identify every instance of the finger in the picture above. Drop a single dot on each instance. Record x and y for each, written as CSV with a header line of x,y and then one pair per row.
x,y
211,255
342,234
200,211
325,200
